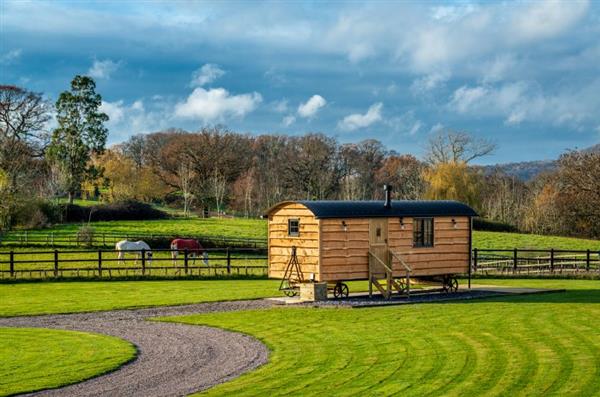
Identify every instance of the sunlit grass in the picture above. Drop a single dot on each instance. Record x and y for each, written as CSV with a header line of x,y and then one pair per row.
x,y
35,359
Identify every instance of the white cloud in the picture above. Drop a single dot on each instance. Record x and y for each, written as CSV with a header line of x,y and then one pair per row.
x,y
436,128
114,110
544,19
138,105
125,120
407,123
288,120
103,69
465,98
206,74
428,83
216,104
310,108
280,106
498,68
525,101
355,121
10,57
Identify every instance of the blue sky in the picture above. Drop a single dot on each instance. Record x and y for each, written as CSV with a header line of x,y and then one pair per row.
x,y
524,74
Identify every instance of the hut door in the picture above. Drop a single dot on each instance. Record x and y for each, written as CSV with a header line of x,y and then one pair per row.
x,y
378,238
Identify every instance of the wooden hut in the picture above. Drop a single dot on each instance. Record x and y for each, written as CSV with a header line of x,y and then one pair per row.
x,y
385,242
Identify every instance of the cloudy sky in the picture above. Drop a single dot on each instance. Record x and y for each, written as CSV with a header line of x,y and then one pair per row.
x,y
524,74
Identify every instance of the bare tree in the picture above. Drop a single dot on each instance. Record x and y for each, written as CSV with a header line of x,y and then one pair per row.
x,y
405,174
219,186
23,116
185,175
454,146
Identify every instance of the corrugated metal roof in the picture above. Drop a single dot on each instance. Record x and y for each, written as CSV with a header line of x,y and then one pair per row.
x,y
376,209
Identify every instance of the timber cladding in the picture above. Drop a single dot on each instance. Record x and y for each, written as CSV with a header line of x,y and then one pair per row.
x,y
281,243
336,249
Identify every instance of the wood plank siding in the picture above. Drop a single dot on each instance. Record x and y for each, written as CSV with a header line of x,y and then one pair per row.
x,y
307,241
333,253
345,254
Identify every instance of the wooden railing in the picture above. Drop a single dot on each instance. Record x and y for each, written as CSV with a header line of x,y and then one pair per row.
x,y
389,275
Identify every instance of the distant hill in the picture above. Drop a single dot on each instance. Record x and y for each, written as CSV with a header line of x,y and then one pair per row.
x,y
526,170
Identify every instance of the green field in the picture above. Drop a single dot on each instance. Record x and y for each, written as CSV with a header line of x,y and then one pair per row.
x,y
210,227
498,240
71,297
35,359
513,346
257,229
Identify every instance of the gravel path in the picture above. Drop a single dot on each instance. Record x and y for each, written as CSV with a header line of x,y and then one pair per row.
x,y
173,359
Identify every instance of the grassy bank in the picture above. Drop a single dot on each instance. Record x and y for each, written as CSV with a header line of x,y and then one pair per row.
x,y
70,297
35,359
526,345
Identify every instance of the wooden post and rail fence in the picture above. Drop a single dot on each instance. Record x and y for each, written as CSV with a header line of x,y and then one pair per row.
x,y
109,239
233,261
135,263
535,261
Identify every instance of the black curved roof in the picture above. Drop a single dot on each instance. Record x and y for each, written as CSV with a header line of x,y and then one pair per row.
x,y
375,209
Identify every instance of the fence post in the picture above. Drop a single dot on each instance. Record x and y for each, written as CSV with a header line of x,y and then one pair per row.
x,y
587,261
552,260
228,261
143,261
12,263
475,259
515,260
185,260
55,263
99,263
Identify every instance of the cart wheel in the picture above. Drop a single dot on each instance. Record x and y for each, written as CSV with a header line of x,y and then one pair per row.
x,y
340,291
450,284
288,289
402,284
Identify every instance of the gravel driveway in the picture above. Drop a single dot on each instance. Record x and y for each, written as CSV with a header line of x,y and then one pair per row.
x,y
173,359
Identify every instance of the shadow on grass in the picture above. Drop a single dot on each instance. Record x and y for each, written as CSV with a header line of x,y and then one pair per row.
x,y
559,296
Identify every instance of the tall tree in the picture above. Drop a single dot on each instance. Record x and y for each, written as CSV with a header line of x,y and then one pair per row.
x,y
80,132
23,118
456,147
405,174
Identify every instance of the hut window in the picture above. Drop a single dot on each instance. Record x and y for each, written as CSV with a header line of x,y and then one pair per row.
x,y
293,227
423,232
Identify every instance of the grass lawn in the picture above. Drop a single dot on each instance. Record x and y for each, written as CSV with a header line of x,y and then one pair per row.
x,y
34,359
498,240
257,229
71,297
213,227
528,345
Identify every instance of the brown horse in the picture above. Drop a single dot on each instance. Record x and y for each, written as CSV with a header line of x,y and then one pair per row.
x,y
192,247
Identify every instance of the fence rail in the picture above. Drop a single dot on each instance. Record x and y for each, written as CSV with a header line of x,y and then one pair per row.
x,y
533,261
107,239
154,263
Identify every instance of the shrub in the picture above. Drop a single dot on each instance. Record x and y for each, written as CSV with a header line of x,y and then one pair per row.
x,y
493,226
35,214
129,210
85,235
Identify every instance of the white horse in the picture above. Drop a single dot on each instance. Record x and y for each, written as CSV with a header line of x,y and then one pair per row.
x,y
132,246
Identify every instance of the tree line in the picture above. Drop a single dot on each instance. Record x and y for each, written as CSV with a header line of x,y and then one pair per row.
x,y
225,171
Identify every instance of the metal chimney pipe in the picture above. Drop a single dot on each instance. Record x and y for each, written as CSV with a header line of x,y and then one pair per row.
x,y
388,196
